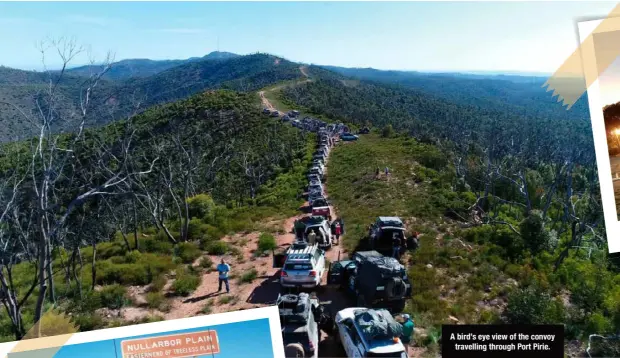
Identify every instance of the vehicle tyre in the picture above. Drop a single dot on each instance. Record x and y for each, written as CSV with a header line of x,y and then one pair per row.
x,y
294,350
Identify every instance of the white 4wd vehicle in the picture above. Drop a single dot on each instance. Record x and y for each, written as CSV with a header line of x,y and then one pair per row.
x,y
358,344
302,265
321,227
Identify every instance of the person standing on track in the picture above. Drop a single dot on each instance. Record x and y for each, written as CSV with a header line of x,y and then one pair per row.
x,y
337,231
396,245
223,269
408,328
312,237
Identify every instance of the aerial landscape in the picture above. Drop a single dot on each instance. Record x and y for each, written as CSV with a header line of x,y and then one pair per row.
x,y
128,176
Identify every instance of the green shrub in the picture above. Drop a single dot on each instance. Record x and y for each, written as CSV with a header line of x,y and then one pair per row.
x,y
133,256
201,206
534,234
159,283
533,305
249,276
188,252
155,299
217,248
206,262
158,244
387,131
113,296
186,283
139,273
105,250
89,321
266,242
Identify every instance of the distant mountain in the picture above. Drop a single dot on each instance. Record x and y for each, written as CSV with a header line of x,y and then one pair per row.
x,y
137,68
116,99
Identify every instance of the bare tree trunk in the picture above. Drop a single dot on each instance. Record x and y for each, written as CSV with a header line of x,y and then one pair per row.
x,y
135,224
94,265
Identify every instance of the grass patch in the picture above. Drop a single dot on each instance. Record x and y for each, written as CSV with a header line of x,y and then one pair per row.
x,y
249,276
186,283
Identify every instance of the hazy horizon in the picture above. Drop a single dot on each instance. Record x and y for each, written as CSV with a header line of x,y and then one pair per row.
x,y
505,37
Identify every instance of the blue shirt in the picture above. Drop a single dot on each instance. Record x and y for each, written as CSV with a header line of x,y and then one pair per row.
x,y
223,270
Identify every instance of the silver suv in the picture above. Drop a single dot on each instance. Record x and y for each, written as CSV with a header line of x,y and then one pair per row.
x,y
303,266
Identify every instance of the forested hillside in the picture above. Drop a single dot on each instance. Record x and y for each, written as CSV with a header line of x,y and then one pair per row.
x,y
132,68
24,91
522,95
521,192
131,201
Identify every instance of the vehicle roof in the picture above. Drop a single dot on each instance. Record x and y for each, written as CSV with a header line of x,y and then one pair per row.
x,y
375,346
390,219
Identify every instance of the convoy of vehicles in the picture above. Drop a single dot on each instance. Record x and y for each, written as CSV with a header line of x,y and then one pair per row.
x,y
374,281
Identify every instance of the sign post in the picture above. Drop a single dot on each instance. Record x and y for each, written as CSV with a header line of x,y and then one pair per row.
x,y
184,345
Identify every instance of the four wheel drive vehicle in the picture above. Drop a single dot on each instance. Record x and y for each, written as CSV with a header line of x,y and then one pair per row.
x,y
275,114
314,196
318,171
319,158
314,177
295,123
375,280
382,231
318,163
302,265
366,333
316,188
266,111
320,207
314,183
321,227
321,153
347,137
299,319
286,118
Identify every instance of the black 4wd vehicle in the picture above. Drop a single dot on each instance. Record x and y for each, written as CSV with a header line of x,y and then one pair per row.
x,y
302,317
381,234
376,280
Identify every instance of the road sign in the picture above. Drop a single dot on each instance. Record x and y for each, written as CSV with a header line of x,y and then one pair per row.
x,y
183,345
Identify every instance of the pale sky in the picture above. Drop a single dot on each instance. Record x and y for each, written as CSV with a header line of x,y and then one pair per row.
x,y
424,36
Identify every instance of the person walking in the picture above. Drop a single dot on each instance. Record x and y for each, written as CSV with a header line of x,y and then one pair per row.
x,y
337,231
312,237
396,244
299,229
377,173
387,171
408,328
223,269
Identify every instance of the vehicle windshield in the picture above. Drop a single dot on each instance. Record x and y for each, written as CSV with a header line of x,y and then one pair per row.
x,y
319,202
